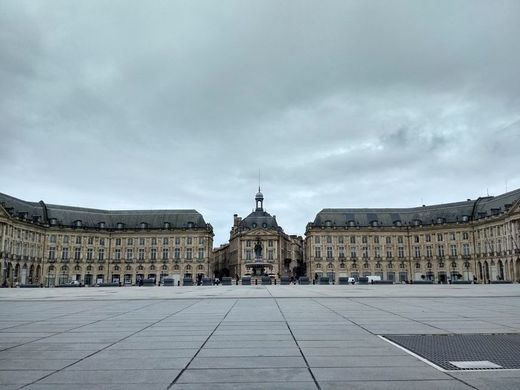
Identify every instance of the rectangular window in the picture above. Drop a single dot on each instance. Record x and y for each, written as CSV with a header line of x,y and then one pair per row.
x,y
452,236
118,241
141,241
102,241
77,253
270,243
65,239
317,239
90,251
364,239
165,254
329,252
353,253
90,241
248,243
341,251
201,240
389,253
377,251
188,253
52,239
317,252
101,254
376,239
129,254
201,253
65,253
365,252
439,237
453,250
416,239
141,253
340,240
153,254
248,254
177,253
465,248
429,252
78,240
329,240
440,250
177,241
417,252
465,236
388,240
270,254
353,239
117,254
400,252
154,240
189,241
400,239
165,241
52,253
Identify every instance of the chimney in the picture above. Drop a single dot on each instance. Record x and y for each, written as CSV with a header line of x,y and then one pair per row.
x,y
236,220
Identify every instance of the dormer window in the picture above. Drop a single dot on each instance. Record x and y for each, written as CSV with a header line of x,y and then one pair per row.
x,y
101,225
253,225
398,223
373,223
440,220
143,225
166,225
264,225
482,214
53,221
417,222
328,223
465,218
120,225
191,225
495,211
78,223
351,223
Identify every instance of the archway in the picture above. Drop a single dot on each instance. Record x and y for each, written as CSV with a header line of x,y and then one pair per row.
x,y
479,270
23,274
38,276
31,274
501,275
486,272
16,275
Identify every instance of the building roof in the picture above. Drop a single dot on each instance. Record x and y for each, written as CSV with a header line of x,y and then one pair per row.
x,y
50,214
259,219
464,211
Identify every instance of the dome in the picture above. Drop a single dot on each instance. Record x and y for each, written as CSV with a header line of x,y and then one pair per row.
x,y
259,195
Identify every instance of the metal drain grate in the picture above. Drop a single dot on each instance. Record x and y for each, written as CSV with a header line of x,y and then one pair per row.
x,y
466,351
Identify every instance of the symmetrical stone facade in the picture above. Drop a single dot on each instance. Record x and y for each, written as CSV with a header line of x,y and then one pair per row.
x,y
52,245
258,246
472,240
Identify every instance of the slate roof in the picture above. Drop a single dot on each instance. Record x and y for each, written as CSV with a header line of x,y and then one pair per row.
x,y
442,213
259,218
68,215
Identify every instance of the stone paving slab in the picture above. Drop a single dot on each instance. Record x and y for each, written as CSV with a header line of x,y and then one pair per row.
x,y
265,337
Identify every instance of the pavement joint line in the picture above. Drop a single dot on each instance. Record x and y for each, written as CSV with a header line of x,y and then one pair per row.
x,y
201,347
345,318
298,345
404,317
72,329
431,364
110,345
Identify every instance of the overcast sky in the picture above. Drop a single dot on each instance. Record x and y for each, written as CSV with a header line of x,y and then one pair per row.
x,y
179,104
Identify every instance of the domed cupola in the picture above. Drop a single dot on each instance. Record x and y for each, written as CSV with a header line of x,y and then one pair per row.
x,y
259,198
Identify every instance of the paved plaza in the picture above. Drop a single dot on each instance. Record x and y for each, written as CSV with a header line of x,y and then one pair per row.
x,y
254,337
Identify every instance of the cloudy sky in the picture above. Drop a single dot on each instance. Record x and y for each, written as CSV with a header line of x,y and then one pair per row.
x,y
179,104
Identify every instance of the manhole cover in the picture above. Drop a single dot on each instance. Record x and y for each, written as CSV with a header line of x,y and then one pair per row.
x,y
465,351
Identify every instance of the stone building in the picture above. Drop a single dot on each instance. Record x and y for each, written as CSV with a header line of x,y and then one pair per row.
x,y
464,240
259,246
52,244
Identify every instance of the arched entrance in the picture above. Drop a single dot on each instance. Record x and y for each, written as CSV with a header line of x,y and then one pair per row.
x,y
486,272
501,274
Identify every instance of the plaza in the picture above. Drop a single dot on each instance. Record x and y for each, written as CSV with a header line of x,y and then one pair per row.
x,y
255,337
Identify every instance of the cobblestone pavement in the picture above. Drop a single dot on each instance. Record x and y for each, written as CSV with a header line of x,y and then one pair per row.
x,y
254,337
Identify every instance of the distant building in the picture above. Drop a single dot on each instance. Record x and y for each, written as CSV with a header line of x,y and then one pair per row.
x,y
51,245
447,242
258,246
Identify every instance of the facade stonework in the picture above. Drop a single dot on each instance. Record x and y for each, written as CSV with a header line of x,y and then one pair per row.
x,y
475,240
54,245
259,247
